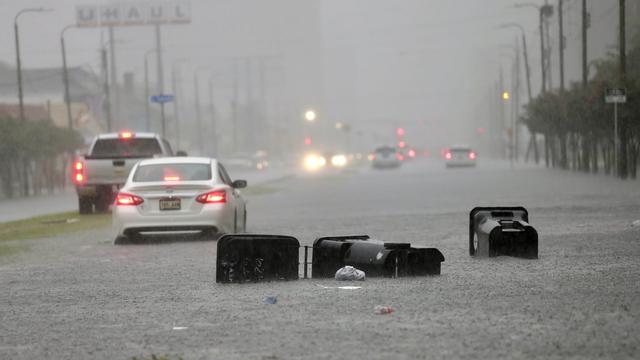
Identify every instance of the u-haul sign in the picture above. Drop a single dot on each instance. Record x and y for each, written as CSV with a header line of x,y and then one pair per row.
x,y
129,14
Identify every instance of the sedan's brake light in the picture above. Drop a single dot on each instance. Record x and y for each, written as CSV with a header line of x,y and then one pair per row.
x,y
447,156
213,197
128,199
399,156
472,155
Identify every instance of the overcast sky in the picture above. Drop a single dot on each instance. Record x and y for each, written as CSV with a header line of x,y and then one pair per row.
x,y
423,64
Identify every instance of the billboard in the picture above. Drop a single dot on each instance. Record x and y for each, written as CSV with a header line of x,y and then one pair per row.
x,y
131,14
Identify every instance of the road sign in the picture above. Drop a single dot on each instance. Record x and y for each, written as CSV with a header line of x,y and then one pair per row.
x,y
133,13
161,99
615,96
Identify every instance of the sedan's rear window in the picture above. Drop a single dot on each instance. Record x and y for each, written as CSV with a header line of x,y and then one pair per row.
x,y
386,150
129,148
460,150
172,172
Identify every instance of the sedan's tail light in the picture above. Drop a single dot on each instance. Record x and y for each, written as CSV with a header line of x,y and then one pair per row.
x,y
472,155
447,156
78,173
399,156
214,197
128,199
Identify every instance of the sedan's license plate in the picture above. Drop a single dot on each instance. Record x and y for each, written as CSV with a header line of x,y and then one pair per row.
x,y
169,204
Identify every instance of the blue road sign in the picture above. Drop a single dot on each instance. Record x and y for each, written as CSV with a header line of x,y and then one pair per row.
x,y
161,99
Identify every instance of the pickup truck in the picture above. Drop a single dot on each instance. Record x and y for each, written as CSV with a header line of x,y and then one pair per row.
x,y
104,169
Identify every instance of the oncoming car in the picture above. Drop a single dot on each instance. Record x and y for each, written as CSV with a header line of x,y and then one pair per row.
x,y
460,156
178,196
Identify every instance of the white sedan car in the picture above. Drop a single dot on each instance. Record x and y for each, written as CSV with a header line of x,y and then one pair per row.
x,y
460,156
178,195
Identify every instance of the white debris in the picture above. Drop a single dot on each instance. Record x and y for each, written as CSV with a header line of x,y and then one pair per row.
x,y
180,328
349,273
340,287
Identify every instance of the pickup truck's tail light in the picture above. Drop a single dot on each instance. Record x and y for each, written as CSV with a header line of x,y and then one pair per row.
x,y
213,197
78,173
125,135
124,199
472,155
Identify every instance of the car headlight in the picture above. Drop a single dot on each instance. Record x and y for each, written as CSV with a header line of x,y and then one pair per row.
x,y
313,162
338,160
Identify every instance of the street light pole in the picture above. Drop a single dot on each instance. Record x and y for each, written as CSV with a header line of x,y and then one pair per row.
x,y
18,60
212,109
542,55
561,42
65,76
176,98
199,131
544,10
147,110
526,57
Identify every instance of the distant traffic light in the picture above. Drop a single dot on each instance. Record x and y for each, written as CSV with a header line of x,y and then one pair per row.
x,y
400,131
307,140
402,144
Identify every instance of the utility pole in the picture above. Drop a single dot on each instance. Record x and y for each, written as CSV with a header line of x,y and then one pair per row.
x,y
623,159
19,61
107,100
585,26
199,129
561,47
502,110
160,78
542,53
147,94
548,10
516,95
65,76
176,85
234,106
250,123
623,45
212,110
113,74
263,126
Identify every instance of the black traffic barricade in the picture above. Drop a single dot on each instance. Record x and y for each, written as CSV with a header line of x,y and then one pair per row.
x,y
495,231
375,258
254,257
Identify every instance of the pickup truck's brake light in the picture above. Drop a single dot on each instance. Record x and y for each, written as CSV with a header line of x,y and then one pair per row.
x,y
78,176
128,199
125,135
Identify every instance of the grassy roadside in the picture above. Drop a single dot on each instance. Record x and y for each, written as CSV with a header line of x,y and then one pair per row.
x,y
51,225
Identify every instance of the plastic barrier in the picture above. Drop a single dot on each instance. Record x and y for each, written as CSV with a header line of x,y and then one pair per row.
x,y
250,258
374,257
495,231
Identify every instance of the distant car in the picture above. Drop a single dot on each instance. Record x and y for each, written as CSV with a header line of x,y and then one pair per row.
x,y
178,195
460,156
386,157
